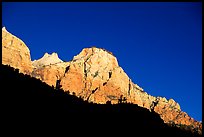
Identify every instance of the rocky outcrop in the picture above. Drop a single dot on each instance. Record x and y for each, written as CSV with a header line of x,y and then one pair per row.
x,y
15,53
99,76
47,59
95,75
49,68
50,73
171,113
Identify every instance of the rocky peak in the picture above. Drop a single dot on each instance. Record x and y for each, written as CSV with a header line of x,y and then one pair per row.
x,y
98,57
15,53
47,59
4,29
46,55
53,55
87,52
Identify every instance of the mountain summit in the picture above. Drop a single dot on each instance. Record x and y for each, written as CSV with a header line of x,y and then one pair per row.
x,y
93,75
47,59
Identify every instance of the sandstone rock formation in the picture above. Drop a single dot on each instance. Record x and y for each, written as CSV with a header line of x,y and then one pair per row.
x,y
47,59
50,73
15,53
95,75
49,68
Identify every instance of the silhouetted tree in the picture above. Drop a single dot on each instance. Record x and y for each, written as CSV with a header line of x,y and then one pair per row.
x,y
122,99
108,102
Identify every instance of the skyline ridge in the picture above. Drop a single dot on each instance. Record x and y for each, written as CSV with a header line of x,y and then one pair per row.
x,y
159,45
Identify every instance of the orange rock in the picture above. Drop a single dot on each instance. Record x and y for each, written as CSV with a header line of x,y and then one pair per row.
x,y
15,53
50,73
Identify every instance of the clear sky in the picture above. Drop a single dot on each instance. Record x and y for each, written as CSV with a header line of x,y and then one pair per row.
x,y
159,45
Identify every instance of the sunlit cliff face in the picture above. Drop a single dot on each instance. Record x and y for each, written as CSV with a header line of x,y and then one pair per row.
x,y
94,75
15,53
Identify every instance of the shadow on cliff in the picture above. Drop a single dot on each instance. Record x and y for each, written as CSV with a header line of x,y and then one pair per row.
x,y
28,99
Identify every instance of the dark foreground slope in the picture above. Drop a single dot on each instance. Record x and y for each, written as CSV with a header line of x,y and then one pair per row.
x,y
28,101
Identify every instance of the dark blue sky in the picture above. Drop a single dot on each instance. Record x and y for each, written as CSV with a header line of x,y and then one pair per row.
x,y
159,45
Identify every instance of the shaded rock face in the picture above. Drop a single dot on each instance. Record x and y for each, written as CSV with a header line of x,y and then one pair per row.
x,y
95,75
15,53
